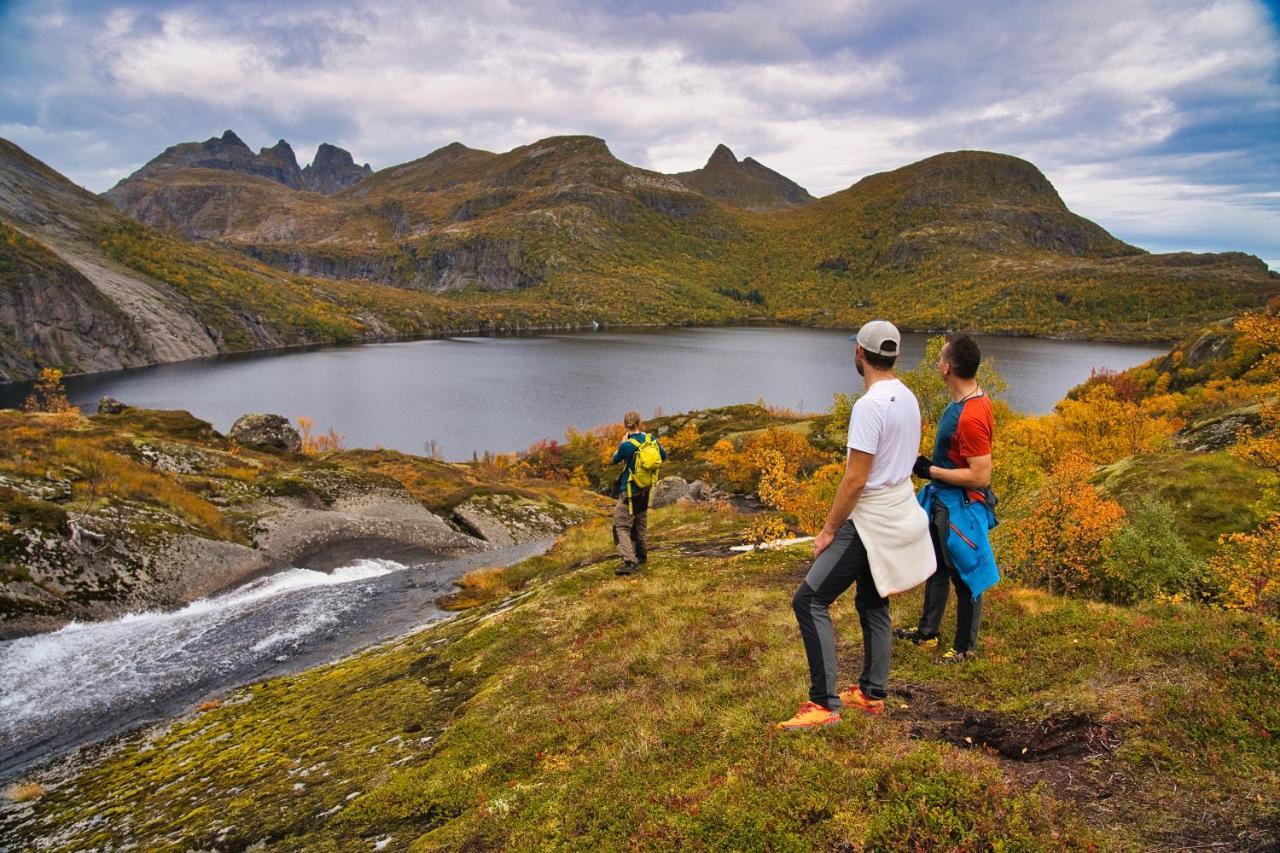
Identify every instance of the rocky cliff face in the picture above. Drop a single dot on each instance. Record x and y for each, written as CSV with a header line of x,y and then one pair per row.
x,y
747,184
332,171
51,314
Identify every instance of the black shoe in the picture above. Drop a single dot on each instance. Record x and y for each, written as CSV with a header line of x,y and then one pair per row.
x,y
627,569
916,636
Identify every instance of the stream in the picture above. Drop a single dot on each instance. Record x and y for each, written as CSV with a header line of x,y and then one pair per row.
x,y
90,681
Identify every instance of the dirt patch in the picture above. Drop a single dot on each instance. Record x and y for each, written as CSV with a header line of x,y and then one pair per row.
x,y
1063,737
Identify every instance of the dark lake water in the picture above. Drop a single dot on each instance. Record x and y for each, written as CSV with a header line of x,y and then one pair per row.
x,y
503,393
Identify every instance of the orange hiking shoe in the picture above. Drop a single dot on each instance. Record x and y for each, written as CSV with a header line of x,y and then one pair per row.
x,y
855,698
810,716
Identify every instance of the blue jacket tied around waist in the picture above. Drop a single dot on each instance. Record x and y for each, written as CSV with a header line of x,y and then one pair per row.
x,y
967,543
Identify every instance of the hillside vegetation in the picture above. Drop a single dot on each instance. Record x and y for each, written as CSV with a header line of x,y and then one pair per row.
x,y
964,238
1126,694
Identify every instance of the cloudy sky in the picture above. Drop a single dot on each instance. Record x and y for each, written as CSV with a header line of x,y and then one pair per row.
x,y
1159,119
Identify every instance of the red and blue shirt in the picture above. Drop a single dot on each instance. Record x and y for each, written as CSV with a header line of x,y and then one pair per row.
x,y
966,429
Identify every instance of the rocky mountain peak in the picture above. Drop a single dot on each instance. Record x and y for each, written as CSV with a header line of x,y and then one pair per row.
x,y
747,183
333,169
722,156
229,138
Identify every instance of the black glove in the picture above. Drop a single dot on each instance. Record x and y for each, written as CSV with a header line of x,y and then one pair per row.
x,y
921,468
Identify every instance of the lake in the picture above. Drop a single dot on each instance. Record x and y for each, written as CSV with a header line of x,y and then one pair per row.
x,y
501,394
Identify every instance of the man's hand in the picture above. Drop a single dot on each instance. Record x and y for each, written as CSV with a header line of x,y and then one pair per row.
x,y
921,468
822,540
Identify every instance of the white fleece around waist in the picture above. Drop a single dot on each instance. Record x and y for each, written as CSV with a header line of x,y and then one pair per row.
x,y
894,528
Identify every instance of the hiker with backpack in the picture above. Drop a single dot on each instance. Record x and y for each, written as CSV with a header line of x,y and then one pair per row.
x,y
643,457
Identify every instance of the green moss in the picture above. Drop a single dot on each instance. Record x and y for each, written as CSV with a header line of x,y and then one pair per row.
x,y
1210,493
593,711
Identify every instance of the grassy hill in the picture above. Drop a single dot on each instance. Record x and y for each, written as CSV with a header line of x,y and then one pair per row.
x,y
592,711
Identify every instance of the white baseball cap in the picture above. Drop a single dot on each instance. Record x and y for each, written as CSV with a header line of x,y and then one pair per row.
x,y
880,337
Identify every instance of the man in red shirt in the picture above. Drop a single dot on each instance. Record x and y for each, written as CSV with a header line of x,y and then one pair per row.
x,y
961,459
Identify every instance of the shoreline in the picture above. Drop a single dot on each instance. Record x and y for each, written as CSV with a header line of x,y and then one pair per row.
x,y
17,386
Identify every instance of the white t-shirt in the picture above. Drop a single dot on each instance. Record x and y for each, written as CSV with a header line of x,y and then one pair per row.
x,y
885,422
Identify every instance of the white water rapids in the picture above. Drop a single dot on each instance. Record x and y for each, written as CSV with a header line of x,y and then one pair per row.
x,y
109,669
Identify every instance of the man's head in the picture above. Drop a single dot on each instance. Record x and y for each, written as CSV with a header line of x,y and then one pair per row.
x,y
631,420
878,346
960,357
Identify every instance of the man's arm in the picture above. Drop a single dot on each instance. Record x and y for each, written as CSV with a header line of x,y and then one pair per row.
x,y
856,470
621,454
976,476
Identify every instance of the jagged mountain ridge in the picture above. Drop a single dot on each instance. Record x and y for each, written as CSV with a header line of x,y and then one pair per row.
x,y
747,184
561,233
332,169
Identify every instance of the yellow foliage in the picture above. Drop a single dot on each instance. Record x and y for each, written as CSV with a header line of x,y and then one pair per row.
x,y
1248,568
684,440
1062,542
322,443
765,528
49,395
742,467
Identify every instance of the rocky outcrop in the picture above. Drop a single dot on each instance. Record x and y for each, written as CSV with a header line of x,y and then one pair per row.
x,y
266,432
667,491
110,406
52,315
333,170
747,184
505,520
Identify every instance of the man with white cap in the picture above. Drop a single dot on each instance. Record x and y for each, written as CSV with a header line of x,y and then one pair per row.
x,y
876,536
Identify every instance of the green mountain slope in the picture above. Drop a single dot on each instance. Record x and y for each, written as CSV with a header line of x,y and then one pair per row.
x,y
965,238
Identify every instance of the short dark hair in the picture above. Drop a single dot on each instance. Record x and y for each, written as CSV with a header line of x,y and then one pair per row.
x,y
962,353
879,362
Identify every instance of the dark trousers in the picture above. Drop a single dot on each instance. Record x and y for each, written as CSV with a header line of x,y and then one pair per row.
x,y
842,564
938,588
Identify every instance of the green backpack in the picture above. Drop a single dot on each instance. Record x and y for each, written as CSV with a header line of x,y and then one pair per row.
x,y
648,462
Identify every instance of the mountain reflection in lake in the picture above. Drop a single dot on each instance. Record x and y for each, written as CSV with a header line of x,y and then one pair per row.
x,y
503,393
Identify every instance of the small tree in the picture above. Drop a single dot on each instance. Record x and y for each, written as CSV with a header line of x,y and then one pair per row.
x,y
49,395
1149,560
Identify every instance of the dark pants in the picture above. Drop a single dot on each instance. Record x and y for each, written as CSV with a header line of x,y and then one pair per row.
x,y
938,588
842,564
631,526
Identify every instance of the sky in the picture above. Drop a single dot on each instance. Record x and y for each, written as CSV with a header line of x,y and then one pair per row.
x,y
1158,119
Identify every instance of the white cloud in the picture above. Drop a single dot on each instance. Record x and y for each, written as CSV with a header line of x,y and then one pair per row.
x,y
824,92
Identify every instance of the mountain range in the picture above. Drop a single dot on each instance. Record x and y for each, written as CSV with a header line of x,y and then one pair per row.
x,y
210,247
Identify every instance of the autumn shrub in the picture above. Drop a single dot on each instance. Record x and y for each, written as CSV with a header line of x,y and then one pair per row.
x,y
1248,569
684,440
804,503
740,466
49,395
313,443
1063,540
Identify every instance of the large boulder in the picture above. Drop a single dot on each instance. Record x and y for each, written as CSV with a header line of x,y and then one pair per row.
x,y
266,432
668,490
506,520
110,406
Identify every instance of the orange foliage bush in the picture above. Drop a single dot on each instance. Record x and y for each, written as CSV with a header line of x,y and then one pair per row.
x,y
741,467
1062,542
49,395
1248,568
322,443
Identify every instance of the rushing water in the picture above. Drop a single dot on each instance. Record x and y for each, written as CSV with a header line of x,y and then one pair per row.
x,y
501,394
91,680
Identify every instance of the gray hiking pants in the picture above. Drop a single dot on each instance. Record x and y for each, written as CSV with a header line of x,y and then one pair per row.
x,y
842,564
631,526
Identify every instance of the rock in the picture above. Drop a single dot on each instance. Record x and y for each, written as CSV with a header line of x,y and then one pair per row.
x,y
700,490
505,520
668,490
266,432
1220,432
110,406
